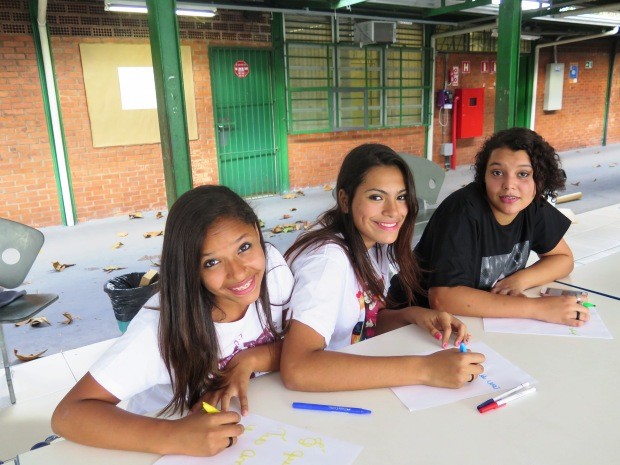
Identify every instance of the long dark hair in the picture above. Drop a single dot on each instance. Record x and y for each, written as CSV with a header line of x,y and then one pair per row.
x,y
187,338
549,177
335,222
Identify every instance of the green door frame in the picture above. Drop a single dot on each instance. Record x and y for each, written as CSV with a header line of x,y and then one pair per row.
x,y
279,102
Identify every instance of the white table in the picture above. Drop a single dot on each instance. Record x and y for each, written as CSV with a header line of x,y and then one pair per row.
x,y
601,276
571,419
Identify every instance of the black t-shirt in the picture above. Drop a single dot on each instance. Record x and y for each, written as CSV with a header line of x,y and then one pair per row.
x,y
464,245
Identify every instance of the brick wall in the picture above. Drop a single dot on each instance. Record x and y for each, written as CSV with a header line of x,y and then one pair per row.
x,y
314,159
121,180
108,181
27,184
580,121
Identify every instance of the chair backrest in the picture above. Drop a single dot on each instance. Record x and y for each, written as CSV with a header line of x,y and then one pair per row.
x,y
427,176
19,247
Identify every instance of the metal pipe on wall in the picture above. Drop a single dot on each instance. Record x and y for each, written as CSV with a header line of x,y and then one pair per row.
x,y
65,188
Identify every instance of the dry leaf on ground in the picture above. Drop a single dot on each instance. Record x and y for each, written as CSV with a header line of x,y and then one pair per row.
x,y
41,320
327,187
133,216
285,217
152,234
290,195
285,228
109,269
159,215
29,357
122,234
61,266
69,318
293,209
261,224
34,322
118,245
575,183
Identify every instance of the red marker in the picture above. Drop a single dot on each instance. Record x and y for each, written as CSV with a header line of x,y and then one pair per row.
x,y
500,403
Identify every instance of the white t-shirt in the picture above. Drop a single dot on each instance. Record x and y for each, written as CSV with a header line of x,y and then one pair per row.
x,y
133,369
328,297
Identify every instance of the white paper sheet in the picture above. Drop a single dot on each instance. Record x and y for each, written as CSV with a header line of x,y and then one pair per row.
x,y
499,375
594,328
137,87
268,442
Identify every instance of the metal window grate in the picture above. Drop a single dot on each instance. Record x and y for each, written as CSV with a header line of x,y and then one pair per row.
x,y
334,84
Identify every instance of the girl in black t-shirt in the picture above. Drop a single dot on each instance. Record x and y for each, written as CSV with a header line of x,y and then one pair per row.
x,y
475,248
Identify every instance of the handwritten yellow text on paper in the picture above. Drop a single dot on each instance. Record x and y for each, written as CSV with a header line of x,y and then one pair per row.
x,y
266,441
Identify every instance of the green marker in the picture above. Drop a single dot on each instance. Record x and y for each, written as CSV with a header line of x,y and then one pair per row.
x,y
588,305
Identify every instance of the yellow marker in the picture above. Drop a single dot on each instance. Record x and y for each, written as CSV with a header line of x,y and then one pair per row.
x,y
209,408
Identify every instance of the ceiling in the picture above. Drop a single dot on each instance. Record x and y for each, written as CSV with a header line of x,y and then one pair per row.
x,y
551,17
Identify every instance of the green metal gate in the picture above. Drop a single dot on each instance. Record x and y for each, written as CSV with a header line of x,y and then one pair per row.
x,y
241,83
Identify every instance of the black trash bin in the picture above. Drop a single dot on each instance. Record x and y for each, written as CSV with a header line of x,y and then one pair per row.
x,y
127,296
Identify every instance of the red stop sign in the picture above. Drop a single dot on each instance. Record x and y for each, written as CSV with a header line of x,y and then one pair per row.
x,y
241,68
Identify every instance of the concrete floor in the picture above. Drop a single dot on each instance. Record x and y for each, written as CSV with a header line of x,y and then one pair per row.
x,y
89,246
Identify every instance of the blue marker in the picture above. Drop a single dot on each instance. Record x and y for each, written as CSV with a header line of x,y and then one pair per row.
x,y
330,408
463,347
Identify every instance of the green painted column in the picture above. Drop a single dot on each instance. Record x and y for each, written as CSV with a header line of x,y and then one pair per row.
x,y
610,76
166,53
427,66
509,33
279,108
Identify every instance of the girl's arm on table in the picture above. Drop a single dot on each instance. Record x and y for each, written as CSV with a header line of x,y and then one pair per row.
x,y
439,324
306,366
467,301
89,415
552,265
265,357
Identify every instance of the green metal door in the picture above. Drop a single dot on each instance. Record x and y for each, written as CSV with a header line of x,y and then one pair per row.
x,y
241,83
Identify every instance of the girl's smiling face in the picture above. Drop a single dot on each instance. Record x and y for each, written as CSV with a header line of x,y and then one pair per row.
x,y
379,206
509,180
232,267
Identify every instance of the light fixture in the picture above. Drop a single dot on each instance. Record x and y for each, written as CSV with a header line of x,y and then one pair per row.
x,y
527,4
523,36
139,6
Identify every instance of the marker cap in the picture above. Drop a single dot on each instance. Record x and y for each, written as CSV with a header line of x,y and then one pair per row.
x,y
491,406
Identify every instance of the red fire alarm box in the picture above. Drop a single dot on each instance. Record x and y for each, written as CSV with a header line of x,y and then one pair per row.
x,y
469,112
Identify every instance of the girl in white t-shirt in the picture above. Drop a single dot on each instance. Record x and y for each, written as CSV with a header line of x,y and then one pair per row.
x,y
217,319
341,275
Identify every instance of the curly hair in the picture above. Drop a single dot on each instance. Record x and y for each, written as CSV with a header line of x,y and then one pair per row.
x,y
549,177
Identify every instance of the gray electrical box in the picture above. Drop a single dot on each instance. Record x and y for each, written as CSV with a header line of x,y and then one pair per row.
x,y
554,86
446,149
375,32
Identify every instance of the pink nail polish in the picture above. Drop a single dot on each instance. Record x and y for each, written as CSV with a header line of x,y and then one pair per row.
x,y
437,336
444,345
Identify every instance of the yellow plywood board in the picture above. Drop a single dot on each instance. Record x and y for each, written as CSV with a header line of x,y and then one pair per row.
x,y
110,124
